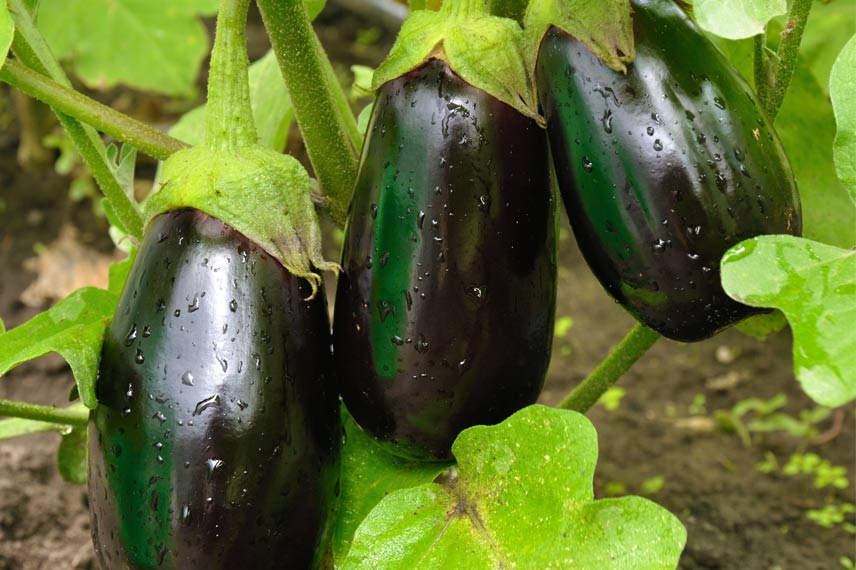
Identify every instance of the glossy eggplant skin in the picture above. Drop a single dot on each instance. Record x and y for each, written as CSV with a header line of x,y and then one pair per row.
x,y
445,306
216,441
663,169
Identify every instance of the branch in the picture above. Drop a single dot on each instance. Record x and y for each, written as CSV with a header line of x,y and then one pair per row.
x,y
787,56
103,118
620,359
316,105
75,416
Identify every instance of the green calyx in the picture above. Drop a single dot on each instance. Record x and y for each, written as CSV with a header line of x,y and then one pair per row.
x,y
486,51
605,27
261,193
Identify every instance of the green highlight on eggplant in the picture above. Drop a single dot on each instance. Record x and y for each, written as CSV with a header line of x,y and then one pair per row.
x,y
216,440
663,169
445,306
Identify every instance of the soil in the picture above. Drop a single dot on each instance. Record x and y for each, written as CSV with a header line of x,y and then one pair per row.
x,y
737,517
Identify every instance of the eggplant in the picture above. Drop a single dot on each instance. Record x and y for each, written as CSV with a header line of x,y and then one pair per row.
x,y
664,168
445,305
216,440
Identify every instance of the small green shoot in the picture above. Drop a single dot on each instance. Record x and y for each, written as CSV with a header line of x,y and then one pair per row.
x,y
766,418
562,327
698,406
611,399
834,515
769,465
614,489
653,485
825,474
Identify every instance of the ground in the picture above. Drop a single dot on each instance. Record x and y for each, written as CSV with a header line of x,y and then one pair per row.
x,y
737,517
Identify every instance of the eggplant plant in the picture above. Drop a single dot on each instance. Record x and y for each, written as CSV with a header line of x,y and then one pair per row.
x,y
222,421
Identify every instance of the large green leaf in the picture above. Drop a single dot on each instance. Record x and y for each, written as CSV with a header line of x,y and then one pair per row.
x,y
369,473
7,32
74,328
842,91
154,45
814,285
522,498
272,110
737,19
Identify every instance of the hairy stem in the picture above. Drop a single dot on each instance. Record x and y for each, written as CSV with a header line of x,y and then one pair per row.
x,y
75,416
316,106
30,48
787,56
618,361
759,68
230,118
103,118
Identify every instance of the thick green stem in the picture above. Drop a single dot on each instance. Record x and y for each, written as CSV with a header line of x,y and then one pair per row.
x,y
759,68
230,118
31,49
318,114
343,107
103,118
620,359
74,416
787,55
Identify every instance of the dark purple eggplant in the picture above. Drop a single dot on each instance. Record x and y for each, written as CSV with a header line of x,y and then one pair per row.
x,y
663,169
445,306
216,440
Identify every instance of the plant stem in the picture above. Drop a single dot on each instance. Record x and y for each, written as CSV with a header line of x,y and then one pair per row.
x,y
30,48
103,118
318,114
74,416
759,67
619,361
230,118
787,56
343,106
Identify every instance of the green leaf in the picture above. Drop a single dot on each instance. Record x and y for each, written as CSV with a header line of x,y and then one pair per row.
x,y
2,327
737,19
71,456
315,7
522,499
272,110
486,51
814,285
118,273
74,328
605,27
762,326
842,91
369,473
154,45
364,118
7,32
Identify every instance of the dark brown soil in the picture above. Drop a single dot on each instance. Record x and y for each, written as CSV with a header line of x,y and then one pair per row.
x,y
737,517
